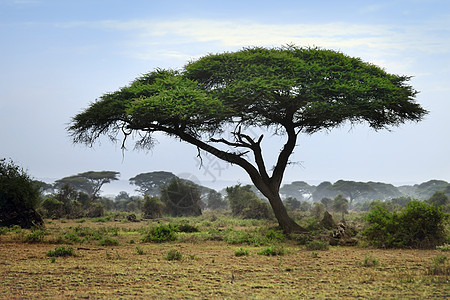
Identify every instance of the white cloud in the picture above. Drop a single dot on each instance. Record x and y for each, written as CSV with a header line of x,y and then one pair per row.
x,y
243,33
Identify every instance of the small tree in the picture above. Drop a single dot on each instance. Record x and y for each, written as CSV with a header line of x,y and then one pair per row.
x,y
439,198
292,204
340,204
19,197
181,198
215,200
326,202
153,207
246,204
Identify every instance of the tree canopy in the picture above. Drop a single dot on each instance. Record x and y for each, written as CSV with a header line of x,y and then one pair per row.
x,y
287,90
88,182
19,197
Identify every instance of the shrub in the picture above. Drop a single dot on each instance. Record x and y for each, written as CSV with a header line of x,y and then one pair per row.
x,y
241,252
445,247
246,204
369,261
153,207
174,255
317,245
36,236
419,225
107,241
181,198
275,235
160,234
61,251
19,197
440,266
273,250
186,228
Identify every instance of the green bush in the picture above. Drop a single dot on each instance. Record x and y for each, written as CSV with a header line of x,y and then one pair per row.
x,y
317,245
19,197
418,225
174,255
61,251
273,250
369,261
241,252
153,207
275,235
246,204
160,234
440,266
186,228
108,241
35,236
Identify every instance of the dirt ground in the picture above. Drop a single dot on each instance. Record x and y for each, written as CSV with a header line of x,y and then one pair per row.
x,y
210,270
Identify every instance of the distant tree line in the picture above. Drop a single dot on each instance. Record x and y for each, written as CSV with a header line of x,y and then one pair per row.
x,y
23,201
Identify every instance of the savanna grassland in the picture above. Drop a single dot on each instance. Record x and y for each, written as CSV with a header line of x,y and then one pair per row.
x,y
211,257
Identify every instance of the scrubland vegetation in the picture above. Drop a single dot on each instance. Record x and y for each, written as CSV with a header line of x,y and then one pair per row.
x,y
190,243
208,256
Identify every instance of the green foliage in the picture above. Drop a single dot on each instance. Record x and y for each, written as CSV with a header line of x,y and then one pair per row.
x,y
445,247
181,198
246,204
317,210
241,252
340,204
61,251
88,182
275,235
317,245
214,200
439,198
244,237
273,250
108,241
174,254
160,234
95,210
186,228
52,207
153,207
139,250
369,261
419,225
35,236
439,266
19,197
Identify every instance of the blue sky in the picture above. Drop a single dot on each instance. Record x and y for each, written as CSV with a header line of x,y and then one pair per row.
x,y
59,56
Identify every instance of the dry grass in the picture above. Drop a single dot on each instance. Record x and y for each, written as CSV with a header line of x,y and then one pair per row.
x,y
210,269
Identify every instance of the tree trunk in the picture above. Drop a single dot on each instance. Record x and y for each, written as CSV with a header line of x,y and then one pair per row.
x,y
286,223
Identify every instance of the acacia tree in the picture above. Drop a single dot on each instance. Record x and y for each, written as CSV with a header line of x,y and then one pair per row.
x,y
288,90
89,182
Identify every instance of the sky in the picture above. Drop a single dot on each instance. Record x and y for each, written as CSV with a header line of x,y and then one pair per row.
x,y
57,57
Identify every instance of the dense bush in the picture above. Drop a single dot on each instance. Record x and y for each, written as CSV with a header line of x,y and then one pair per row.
x,y
246,204
160,234
418,225
153,207
181,198
19,197
61,251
